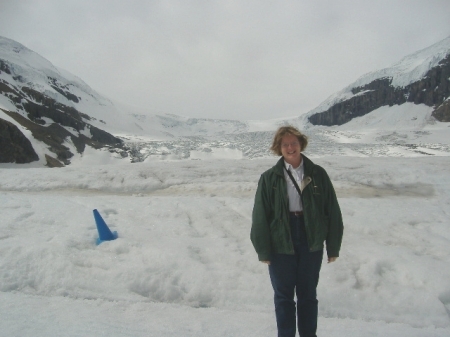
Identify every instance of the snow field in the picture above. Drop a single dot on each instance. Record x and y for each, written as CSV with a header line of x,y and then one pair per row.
x,y
184,265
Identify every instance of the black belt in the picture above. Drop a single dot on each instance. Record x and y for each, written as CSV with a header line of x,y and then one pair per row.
x,y
296,213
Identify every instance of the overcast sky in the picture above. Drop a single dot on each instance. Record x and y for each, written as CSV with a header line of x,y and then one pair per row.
x,y
236,59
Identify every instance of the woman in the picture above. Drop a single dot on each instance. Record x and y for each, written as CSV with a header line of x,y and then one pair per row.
x,y
289,227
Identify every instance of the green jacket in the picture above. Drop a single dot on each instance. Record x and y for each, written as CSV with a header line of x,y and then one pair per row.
x,y
271,232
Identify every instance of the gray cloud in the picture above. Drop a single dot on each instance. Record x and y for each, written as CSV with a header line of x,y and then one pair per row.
x,y
223,59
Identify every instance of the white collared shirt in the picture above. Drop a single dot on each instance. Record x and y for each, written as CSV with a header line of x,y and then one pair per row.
x,y
295,204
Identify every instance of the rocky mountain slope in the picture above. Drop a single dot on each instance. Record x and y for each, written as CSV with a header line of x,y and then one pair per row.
x,y
51,116
420,78
41,103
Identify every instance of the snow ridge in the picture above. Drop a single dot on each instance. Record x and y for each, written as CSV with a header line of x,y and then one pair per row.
x,y
33,70
408,70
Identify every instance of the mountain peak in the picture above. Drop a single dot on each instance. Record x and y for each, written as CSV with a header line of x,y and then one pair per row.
x,y
412,67
420,78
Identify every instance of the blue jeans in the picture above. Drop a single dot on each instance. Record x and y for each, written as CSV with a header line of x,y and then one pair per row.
x,y
299,274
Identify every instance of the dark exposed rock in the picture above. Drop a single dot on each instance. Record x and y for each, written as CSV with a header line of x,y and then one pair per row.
x,y
103,137
4,67
55,136
48,107
60,88
52,162
50,121
4,88
442,113
85,116
432,90
37,106
14,146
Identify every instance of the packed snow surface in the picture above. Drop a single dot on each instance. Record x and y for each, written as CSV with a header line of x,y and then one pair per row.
x,y
183,264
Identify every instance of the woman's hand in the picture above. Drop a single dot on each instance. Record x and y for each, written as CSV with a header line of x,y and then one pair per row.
x,y
332,259
266,262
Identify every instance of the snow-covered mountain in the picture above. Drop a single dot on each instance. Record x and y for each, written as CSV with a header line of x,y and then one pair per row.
x,y
420,78
50,115
48,109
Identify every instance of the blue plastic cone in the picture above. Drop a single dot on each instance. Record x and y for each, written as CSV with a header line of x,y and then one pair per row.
x,y
104,233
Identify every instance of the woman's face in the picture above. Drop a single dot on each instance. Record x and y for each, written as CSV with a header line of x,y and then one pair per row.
x,y
290,149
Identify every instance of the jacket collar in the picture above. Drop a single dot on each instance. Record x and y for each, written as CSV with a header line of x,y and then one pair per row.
x,y
308,166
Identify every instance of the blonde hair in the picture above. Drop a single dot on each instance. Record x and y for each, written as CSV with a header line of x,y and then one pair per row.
x,y
284,131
